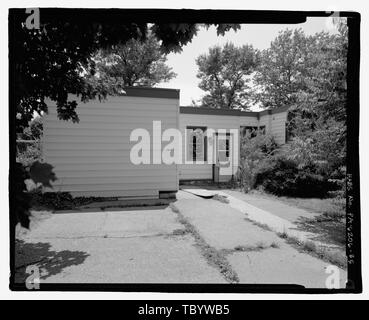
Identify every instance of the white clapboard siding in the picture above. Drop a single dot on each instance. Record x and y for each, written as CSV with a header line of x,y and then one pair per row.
x,y
215,122
92,157
265,120
278,127
274,123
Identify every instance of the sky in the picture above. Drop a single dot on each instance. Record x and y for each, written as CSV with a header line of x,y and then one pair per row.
x,y
258,35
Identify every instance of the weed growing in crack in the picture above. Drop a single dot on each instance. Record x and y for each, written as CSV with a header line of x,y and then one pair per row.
x,y
258,247
282,235
259,224
214,257
274,245
173,207
179,232
333,256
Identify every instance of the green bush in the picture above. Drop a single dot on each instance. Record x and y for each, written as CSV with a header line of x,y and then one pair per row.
x,y
51,200
255,155
284,177
61,200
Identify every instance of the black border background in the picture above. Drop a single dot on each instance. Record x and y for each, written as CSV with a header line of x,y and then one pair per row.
x,y
208,16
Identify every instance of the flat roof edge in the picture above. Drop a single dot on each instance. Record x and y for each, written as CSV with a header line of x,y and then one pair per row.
x,y
212,111
230,112
274,111
149,92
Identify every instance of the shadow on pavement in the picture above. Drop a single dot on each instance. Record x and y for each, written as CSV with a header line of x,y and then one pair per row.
x,y
49,262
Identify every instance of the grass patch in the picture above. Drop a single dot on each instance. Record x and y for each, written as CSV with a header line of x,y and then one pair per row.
x,y
326,229
214,257
330,206
329,222
309,246
333,256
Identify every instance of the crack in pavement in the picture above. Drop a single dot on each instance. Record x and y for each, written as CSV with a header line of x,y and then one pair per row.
x,y
215,258
102,237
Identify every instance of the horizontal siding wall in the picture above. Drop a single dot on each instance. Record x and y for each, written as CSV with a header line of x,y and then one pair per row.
x,y
92,157
278,129
275,125
265,121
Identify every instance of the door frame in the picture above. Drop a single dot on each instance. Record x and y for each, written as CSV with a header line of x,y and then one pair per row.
x,y
231,153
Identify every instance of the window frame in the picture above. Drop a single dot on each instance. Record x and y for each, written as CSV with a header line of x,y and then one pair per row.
x,y
252,129
204,141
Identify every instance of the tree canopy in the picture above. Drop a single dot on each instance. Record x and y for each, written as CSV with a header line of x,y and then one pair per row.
x,y
304,70
134,63
51,61
224,73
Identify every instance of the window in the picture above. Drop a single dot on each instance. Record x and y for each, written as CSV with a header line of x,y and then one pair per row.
x,y
252,131
196,144
223,147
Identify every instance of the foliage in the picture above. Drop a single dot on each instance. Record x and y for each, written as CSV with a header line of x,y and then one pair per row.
x,y
52,61
34,130
133,63
42,173
27,153
21,197
60,200
29,144
307,73
281,73
225,75
255,155
284,177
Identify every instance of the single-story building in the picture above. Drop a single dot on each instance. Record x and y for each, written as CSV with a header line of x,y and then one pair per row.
x,y
119,146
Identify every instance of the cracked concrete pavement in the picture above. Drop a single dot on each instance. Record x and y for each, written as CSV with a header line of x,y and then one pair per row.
x,y
276,262
132,246
144,246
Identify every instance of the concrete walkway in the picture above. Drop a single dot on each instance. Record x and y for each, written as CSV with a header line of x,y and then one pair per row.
x,y
278,217
133,246
278,208
160,245
256,254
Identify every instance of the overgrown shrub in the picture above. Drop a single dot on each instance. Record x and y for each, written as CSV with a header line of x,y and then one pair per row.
x,y
61,200
255,155
284,177
51,200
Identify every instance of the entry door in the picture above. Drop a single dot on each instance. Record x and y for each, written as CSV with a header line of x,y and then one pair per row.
x,y
224,154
